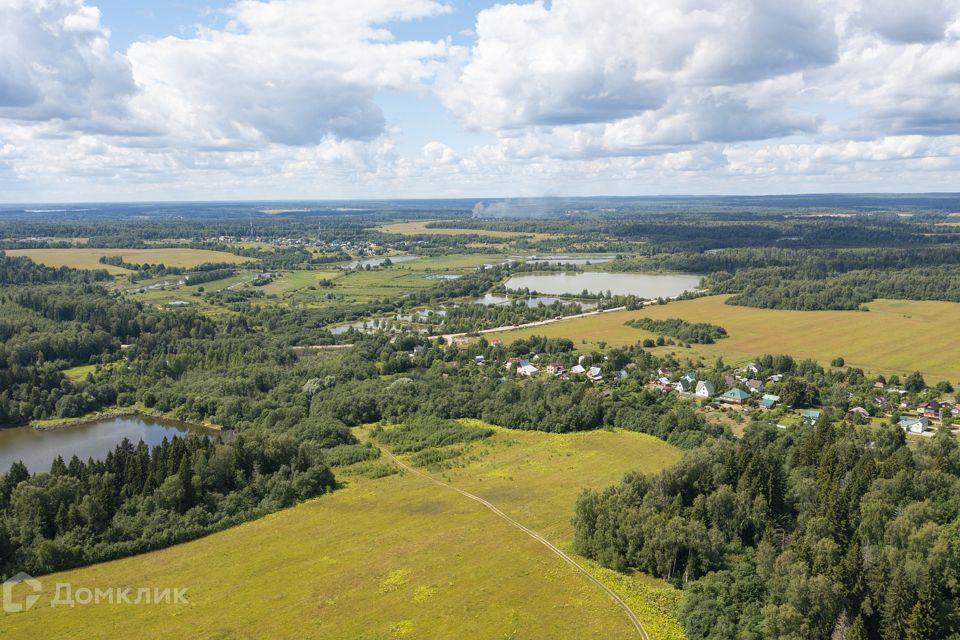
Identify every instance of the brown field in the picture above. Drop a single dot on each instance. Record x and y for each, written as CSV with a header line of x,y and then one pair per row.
x,y
89,258
895,336
420,227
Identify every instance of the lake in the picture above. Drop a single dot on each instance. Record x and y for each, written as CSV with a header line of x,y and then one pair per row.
x,y
644,285
39,448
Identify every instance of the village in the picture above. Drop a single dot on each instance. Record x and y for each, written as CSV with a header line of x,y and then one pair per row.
x,y
750,391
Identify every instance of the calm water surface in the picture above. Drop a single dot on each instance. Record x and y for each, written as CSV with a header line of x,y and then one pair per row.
x,y
38,449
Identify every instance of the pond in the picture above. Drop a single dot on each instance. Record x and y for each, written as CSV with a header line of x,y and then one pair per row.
x,y
377,262
644,285
39,448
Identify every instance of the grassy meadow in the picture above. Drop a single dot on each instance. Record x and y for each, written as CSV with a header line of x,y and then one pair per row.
x,y
394,557
89,258
360,285
894,336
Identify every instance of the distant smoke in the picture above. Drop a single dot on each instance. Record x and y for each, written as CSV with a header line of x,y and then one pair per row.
x,y
526,208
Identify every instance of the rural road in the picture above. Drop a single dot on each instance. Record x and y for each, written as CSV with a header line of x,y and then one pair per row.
x,y
450,337
533,534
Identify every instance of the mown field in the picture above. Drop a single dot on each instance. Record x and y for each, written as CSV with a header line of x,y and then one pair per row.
x,y
395,557
89,258
420,227
894,336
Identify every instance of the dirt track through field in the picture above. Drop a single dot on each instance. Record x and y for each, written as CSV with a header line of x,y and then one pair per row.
x,y
533,534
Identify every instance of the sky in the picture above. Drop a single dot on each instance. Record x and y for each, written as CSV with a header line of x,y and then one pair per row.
x,y
113,100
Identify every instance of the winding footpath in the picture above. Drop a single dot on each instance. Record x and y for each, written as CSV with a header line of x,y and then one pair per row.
x,y
533,534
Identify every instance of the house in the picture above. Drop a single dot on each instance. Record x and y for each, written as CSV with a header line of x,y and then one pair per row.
x,y
527,369
682,385
775,378
810,417
555,369
512,362
480,360
496,343
577,368
705,389
594,374
914,425
664,373
690,377
729,380
663,384
882,402
753,368
734,396
754,386
859,413
622,374
769,401
929,409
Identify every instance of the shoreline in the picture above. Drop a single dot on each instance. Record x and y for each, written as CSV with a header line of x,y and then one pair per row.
x,y
68,423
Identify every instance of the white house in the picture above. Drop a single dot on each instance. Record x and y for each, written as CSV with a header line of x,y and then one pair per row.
x,y
705,389
527,370
914,425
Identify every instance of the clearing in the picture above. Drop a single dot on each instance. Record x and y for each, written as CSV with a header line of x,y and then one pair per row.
x,y
395,557
895,336
420,227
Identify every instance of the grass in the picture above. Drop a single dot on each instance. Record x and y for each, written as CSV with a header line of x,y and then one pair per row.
x,y
895,336
389,558
420,227
89,258
359,285
79,373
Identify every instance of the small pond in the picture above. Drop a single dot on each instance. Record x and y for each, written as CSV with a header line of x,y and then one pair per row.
x,y
39,448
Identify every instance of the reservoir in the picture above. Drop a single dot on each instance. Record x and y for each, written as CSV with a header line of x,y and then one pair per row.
x,y
644,285
39,448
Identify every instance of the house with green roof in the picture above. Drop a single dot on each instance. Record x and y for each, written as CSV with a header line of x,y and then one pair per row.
x,y
734,396
769,401
705,389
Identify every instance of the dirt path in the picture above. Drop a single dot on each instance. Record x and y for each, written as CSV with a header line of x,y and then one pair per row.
x,y
533,534
449,337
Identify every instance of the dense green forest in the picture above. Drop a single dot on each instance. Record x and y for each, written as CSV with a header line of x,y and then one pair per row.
x,y
138,499
832,531
692,332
